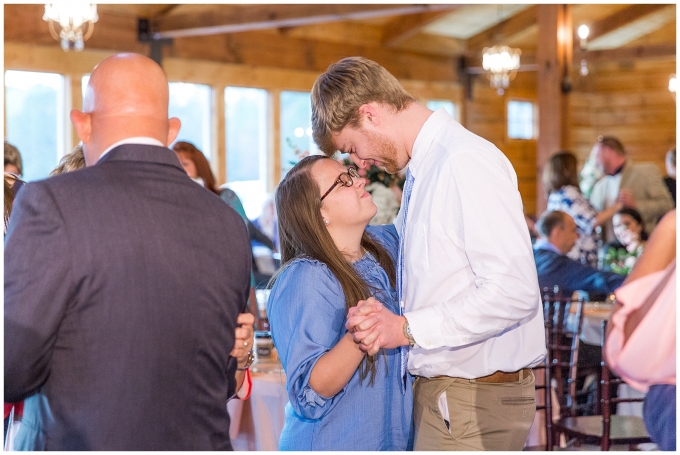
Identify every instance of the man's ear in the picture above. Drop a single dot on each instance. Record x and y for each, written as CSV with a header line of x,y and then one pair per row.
x,y
370,115
83,124
173,129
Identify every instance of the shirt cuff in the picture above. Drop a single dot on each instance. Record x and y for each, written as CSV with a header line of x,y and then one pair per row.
x,y
426,334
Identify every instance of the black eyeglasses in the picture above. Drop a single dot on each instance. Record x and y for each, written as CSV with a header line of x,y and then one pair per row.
x,y
344,179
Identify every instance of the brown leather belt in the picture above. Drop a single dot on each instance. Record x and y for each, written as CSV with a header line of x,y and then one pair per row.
x,y
500,377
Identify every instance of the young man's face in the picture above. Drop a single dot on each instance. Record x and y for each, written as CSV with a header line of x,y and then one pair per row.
x,y
369,147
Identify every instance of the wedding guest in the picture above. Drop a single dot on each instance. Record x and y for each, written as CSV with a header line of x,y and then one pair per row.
x,y
244,334
467,284
641,339
560,180
339,398
635,185
621,254
669,180
121,302
13,162
558,235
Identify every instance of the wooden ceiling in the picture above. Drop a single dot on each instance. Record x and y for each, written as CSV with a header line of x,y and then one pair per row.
x,y
416,41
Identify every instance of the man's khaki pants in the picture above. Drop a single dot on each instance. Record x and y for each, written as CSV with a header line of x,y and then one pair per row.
x,y
482,416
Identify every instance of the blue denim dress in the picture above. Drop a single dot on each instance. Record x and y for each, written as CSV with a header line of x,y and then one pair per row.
x,y
307,315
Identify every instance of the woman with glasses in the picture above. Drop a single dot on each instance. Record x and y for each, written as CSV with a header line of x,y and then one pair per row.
x,y
339,398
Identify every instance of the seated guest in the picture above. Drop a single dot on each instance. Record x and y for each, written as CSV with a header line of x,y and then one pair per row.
x,y
558,236
620,255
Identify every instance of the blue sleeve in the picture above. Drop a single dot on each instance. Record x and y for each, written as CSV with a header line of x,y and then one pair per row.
x,y
585,278
387,236
306,310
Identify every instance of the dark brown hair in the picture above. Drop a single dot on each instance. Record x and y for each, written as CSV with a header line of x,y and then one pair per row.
x,y
202,166
303,233
559,171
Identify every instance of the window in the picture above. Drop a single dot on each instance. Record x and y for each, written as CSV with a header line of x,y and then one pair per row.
x,y
296,129
35,116
521,120
447,105
190,103
246,136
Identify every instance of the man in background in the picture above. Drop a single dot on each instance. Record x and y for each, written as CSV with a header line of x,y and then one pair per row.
x,y
558,237
123,282
635,185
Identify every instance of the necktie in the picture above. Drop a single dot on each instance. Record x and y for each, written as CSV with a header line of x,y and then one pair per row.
x,y
408,186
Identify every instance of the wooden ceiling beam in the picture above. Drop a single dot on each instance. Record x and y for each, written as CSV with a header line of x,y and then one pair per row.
x,y
473,65
280,51
403,27
618,19
627,53
506,29
236,19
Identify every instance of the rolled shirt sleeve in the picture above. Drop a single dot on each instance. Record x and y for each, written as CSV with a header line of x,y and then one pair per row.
x,y
306,311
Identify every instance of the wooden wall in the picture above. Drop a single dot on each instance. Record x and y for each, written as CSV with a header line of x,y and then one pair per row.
x,y
629,100
486,115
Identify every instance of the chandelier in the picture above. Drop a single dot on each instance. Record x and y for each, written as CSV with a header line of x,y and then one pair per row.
x,y
501,64
71,23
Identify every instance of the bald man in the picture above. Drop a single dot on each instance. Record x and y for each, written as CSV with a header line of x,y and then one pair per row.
x,y
123,282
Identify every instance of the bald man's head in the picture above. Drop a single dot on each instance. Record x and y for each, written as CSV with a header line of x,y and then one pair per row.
x,y
126,96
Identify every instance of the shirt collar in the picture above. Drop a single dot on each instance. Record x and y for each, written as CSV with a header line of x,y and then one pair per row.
x,y
618,171
133,140
434,123
542,244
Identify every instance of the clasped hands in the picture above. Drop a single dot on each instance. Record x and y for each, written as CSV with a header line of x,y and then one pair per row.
x,y
373,326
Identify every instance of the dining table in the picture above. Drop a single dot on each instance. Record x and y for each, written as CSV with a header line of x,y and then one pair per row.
x,y
256,423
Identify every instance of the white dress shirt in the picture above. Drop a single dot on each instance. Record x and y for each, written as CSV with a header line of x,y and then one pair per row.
x,y
471,292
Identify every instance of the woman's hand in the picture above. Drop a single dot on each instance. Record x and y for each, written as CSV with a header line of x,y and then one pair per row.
x,y
245,338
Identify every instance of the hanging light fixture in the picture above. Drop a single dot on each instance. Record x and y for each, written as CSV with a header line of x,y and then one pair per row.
x,y
501,64
71,23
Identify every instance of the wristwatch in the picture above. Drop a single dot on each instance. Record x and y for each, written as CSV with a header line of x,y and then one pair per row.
x,y
408,335
249,361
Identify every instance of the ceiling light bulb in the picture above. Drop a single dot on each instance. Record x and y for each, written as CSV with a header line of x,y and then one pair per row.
x,y
583,31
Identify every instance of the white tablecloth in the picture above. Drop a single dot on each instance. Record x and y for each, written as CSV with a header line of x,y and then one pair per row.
x,y
256,423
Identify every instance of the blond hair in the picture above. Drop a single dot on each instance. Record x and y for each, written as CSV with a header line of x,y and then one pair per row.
x,y
346,85
70,162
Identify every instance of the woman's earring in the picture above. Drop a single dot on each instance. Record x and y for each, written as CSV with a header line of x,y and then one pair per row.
x,y
325,221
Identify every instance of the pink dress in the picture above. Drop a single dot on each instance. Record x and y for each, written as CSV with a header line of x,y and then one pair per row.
x,y
648,357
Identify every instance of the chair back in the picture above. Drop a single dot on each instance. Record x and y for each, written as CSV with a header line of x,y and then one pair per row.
x,y
563,322
609,378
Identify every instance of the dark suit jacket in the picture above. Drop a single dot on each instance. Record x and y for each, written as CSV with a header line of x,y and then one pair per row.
x,y
570,275
123,282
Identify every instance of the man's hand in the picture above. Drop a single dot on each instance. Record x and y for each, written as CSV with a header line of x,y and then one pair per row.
x,y
244,338
627,199
377,327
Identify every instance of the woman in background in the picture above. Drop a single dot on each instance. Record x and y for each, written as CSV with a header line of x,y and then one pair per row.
x,y
560,180
621,254
339,398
